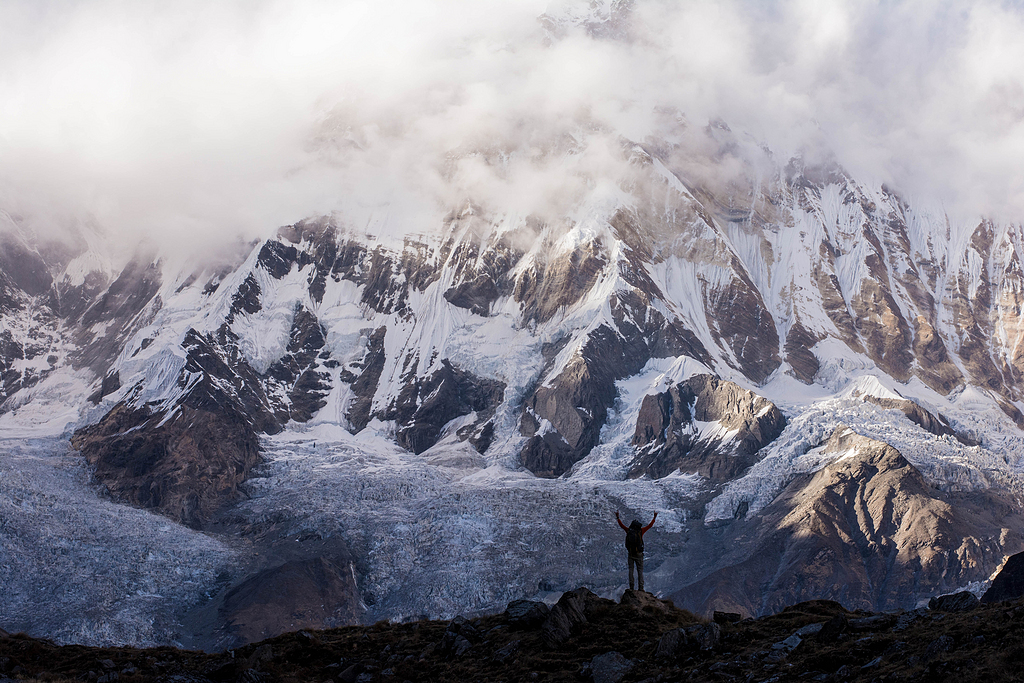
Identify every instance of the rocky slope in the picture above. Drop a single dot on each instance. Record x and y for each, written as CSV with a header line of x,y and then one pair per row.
x,y
866,530
584,637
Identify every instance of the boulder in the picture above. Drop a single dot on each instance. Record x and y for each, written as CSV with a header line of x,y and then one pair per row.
x,y
833,628
955,602
1009,582
789,644
938,646
507,651
680,641
525,614
569,614
872,623
611,667
645,602
458,638
809,629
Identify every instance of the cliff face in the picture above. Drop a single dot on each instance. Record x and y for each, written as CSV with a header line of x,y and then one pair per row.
x,y
703,425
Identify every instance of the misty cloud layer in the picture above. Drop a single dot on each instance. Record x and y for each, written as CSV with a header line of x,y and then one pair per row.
x,y
187,122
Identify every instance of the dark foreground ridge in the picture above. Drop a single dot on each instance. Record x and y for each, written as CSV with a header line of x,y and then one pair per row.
x,y
586,638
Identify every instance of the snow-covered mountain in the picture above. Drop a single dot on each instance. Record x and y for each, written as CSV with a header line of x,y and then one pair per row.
x,y
809,377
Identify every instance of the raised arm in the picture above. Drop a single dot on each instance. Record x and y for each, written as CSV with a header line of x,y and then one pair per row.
x,y
624,527
644,530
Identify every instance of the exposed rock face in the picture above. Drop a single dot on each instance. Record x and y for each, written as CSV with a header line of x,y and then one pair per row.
x,y
425,407
1009,582
113,317
299,378
867,531
476,296
365,385
186,467
564,416
318,593
570,613
668,436
187,460
955,602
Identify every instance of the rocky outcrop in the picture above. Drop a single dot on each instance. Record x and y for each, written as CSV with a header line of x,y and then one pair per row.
x,y
185,465
569,615
954,602
113,317
477,296
866,530
299,380
365,385
425,406
563,417
1009,582
188,459
317,593
703,425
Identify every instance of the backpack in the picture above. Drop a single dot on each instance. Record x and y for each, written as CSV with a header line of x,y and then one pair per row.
x,y
635,538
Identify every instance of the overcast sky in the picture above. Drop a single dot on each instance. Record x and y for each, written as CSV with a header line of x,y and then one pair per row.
x,y
185,120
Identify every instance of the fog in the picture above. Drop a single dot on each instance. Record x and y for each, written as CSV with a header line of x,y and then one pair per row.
x,y
189,123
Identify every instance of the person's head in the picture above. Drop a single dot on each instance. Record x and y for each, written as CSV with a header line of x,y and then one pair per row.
x,y
635,525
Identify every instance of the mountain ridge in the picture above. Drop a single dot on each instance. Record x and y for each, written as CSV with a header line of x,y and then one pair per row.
x,y
501,351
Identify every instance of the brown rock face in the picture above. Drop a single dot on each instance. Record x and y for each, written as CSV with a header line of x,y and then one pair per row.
x,y
799,355
883,328
867,531
576,402
667,440
186,467
560,282
188,460
317,593
737,315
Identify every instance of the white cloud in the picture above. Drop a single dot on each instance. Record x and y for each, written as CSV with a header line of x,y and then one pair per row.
x,y
188,120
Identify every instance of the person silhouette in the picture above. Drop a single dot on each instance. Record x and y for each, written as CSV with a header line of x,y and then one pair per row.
x,y
635,547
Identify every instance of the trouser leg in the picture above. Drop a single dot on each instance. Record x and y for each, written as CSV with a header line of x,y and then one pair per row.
x,y
630,561
640,572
